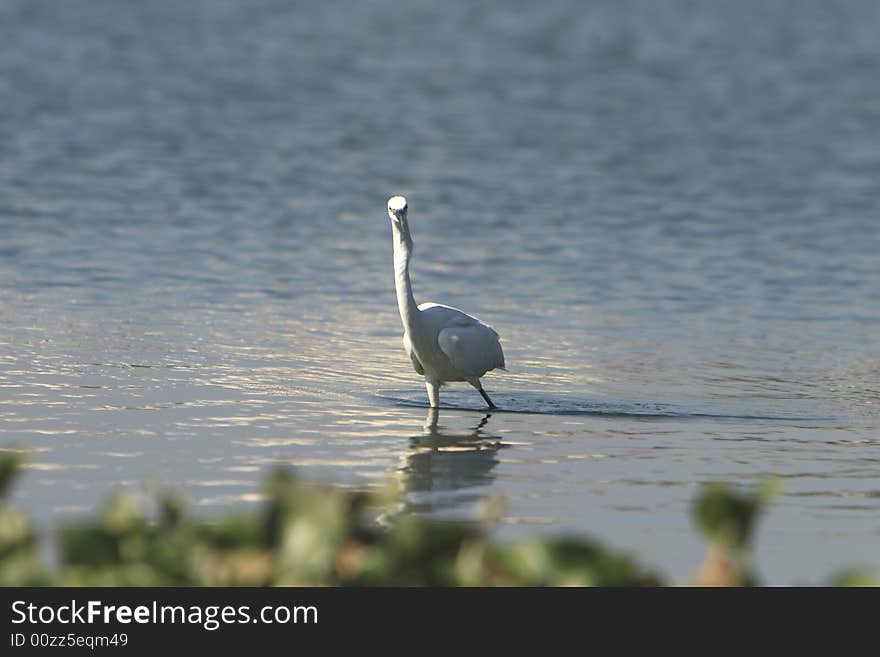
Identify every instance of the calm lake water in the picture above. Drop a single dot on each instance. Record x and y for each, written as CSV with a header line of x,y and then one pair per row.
x,y
669,211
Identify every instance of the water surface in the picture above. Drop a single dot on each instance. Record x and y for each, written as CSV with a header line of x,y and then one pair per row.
x,y
668,210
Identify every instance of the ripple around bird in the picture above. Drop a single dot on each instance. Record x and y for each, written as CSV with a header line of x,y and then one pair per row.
x,y
530,404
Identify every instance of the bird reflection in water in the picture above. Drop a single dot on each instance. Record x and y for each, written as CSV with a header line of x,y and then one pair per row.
x,y
447,470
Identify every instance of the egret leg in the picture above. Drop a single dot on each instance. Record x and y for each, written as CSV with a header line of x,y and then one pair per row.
x,y
433,394
431,422
492,406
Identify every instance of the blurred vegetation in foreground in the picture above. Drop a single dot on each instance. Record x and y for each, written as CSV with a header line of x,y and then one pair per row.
x,y
317,535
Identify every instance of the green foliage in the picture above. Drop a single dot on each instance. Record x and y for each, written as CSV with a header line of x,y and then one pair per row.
x,y
726,516
855,577
318,535
571,562
19,563
10,462
727,519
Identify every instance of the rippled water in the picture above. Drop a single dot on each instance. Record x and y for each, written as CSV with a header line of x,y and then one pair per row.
x,y
668,210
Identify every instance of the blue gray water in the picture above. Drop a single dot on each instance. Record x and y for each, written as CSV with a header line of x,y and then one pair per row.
x,y
668,210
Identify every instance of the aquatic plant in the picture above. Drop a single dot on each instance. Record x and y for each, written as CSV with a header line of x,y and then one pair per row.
x,y
308,534
19,562
727,519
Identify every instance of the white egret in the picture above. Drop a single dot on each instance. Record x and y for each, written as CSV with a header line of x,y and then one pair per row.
x,y
443,343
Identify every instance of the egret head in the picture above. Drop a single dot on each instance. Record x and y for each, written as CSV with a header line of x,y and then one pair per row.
x,y
397,209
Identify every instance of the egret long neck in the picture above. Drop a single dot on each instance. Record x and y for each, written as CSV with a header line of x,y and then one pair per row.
x,y
406,304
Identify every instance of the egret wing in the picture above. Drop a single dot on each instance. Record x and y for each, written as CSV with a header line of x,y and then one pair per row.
x,y
473,348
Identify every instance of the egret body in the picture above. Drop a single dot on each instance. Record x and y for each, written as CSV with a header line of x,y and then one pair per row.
x,y
443,343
